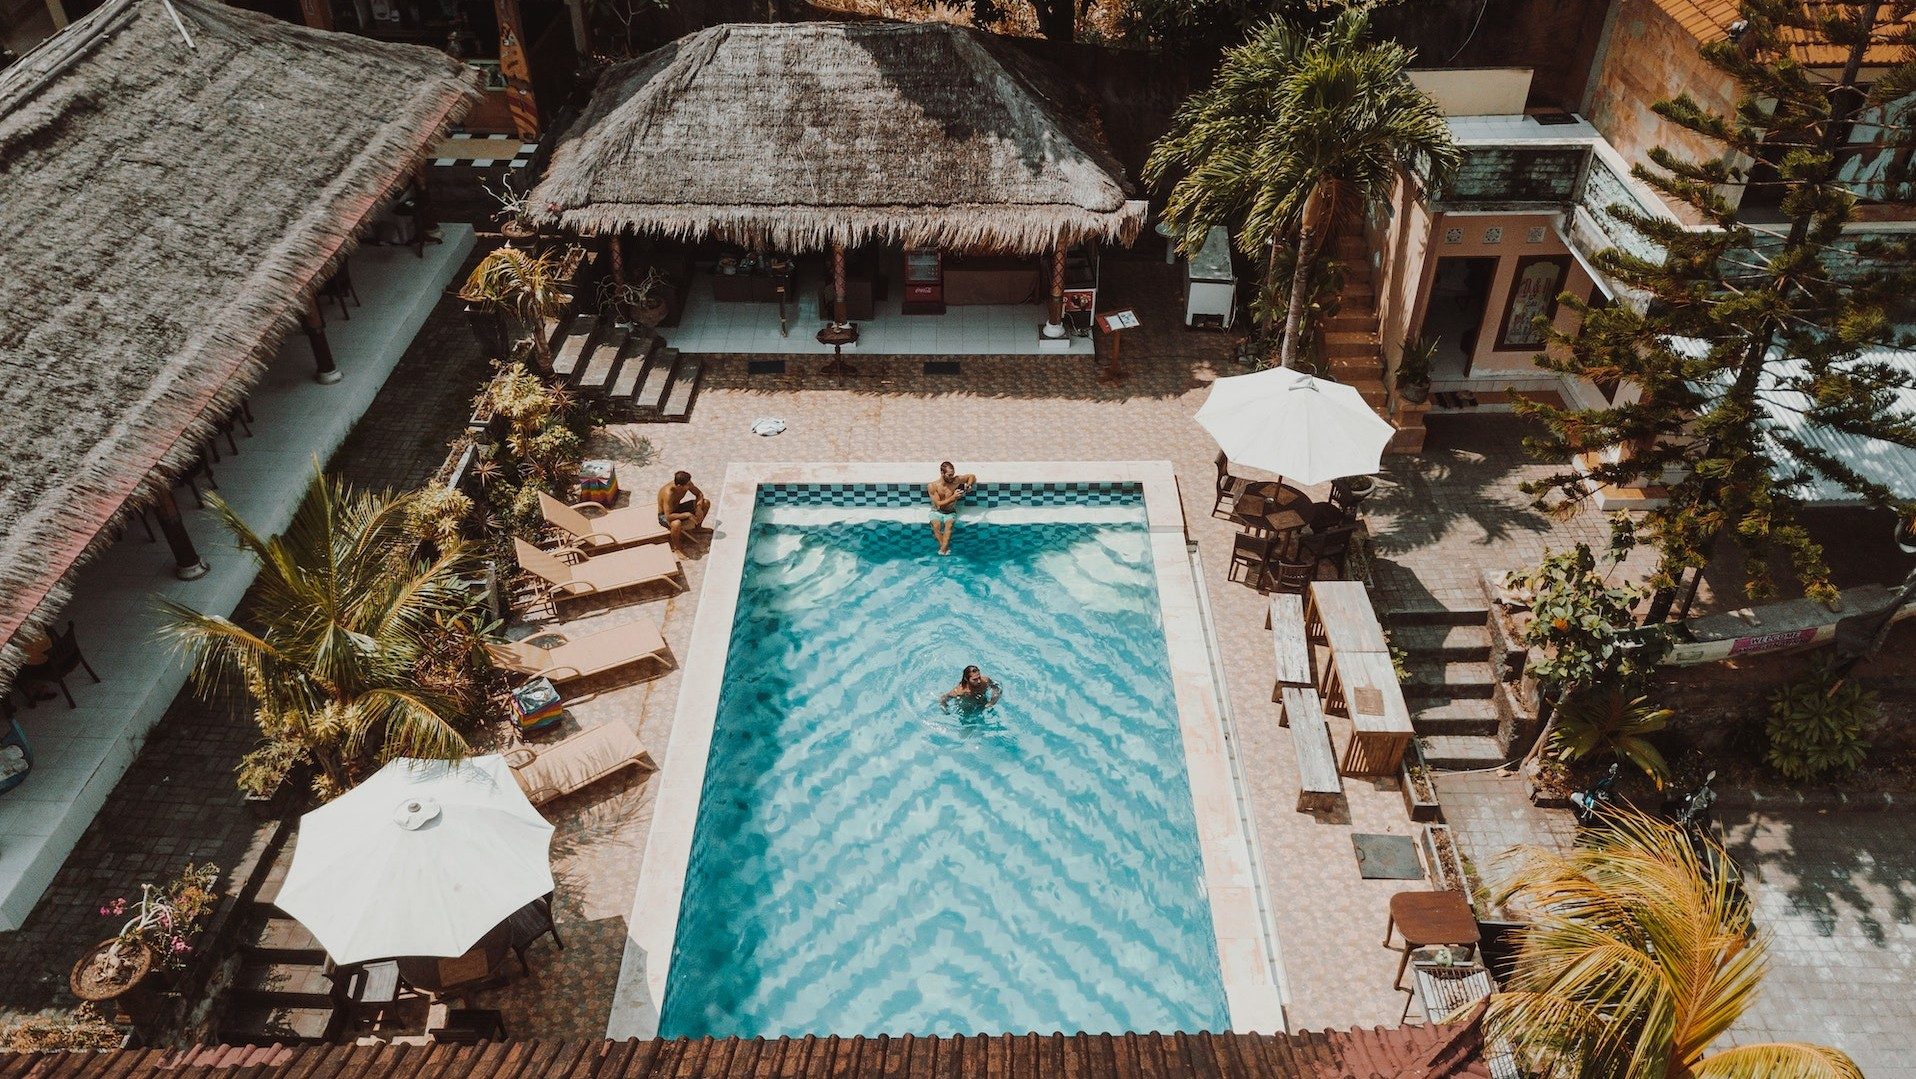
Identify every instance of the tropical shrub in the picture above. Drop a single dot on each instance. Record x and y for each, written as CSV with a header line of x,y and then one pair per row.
x,y
84,1028
522,287
438,514
345,617
1637,957
1603,722
1820,725
545,436
1582,625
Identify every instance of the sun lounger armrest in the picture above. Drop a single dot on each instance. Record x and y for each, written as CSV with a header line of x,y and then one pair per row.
x,y
599,538
520,756
589,508
561,672
569,553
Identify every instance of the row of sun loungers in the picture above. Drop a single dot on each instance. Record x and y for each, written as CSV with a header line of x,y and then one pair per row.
x,y
608,551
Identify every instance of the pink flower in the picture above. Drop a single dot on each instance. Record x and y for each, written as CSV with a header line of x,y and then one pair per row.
x,y
180,947
106,912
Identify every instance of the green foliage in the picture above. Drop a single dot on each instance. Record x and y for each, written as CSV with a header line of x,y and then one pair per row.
x,y
438,514
1727,303
342,616
523,286
261,771
1413,364
1820,726
1603,722
1298,132
1581,623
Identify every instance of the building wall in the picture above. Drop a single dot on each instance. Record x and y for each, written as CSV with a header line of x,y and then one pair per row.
x,y
1508,237
1403,242
1651,58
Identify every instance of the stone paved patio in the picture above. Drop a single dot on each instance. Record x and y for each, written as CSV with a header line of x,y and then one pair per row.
x,y
1329,922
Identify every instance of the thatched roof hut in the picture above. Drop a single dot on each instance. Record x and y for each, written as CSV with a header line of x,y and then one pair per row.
x,y
803,135
166,211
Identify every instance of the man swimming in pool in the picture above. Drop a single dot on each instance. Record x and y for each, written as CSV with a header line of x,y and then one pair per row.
x,y
975,692
945,491
682,508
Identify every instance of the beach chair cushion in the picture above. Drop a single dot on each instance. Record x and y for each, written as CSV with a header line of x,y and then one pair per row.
x,y
614,528
554,655
546,772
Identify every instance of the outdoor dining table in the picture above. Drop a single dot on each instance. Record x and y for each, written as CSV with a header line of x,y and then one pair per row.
x,y
1357,678
1279,508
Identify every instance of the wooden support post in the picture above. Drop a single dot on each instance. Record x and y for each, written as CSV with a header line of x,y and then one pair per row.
x,y
838,285
317,14
325,371
188,565
1054,311
615,255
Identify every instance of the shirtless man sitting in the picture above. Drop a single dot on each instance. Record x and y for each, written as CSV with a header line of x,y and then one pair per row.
x,y
682,508
945,491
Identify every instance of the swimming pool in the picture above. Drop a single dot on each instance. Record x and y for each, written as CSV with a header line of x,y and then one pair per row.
x,y
863,862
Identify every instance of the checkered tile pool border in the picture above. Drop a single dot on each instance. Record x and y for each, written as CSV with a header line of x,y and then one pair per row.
x,y
987,494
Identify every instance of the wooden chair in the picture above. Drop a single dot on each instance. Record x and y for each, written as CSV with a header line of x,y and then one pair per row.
x,y
1229,488
1285,576
63,658
1331,545
1251,554
469,1026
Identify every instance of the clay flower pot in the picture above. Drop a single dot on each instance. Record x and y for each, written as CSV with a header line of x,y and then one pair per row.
x,y
101,976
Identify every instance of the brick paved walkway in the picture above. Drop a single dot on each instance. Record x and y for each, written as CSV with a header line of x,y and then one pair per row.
x,y
1837,894
177,802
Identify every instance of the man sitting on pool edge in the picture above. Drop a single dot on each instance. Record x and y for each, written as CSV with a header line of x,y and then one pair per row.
x,y
945,491
682,508
974,694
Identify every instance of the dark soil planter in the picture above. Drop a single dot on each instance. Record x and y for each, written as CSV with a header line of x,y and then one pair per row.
x,y
1420,789
489,328
286,801
1440,859
1356,489
131,985
519,234
652,314
1414,393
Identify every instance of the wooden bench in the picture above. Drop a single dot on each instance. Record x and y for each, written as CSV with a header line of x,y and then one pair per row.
x,y
1285,620
1318,786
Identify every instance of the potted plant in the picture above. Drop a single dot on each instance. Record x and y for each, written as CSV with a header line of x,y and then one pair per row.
x,y
1413,369
1355,489
650,298
158,937
274,778
1420,788
515,217
522,286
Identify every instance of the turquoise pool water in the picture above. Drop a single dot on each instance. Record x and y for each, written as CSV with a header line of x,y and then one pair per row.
x,y
864,863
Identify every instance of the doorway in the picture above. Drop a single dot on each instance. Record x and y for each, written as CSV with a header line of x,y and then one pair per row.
x,y
1454,314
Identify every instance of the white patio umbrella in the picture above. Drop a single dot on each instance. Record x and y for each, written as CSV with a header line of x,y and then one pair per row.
x,y
421,859
1302,428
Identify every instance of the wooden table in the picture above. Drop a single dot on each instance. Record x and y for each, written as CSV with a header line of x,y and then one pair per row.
x,y
1339,614
1430,919
1363,686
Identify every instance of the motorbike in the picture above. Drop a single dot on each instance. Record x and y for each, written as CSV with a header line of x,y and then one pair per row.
x,y
1588,803
1691,812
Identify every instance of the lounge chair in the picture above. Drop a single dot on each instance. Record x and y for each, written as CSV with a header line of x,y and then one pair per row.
x,y
552,770
553,655
569,572
609,530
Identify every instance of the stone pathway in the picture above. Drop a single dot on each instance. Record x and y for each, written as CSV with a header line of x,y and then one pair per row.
x,y
177,803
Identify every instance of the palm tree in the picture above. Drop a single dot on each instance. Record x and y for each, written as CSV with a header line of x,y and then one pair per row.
x,y
346,614
1639,957
1299,132
524,286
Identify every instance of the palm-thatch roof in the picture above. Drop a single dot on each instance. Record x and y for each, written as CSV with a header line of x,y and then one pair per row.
x,y
166,211
803,135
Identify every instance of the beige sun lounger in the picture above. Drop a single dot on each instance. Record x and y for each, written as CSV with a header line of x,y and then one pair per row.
x,y
551,771
553,655
571,573
609,530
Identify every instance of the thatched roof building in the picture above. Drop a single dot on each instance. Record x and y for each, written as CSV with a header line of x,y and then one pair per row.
x,y
166,211
803,135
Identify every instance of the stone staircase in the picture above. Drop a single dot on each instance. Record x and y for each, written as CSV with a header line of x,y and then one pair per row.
x,y
1452,688
629,366
1353,347
282,993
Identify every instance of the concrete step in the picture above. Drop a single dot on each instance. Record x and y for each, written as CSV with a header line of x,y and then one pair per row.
x,y
685,390
579,338
1448,752
635,355
1440,642
603,360
655,382
1438,616
1449,678
302,985
276,938
266,1024
1342,343
1459,716
1349,321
